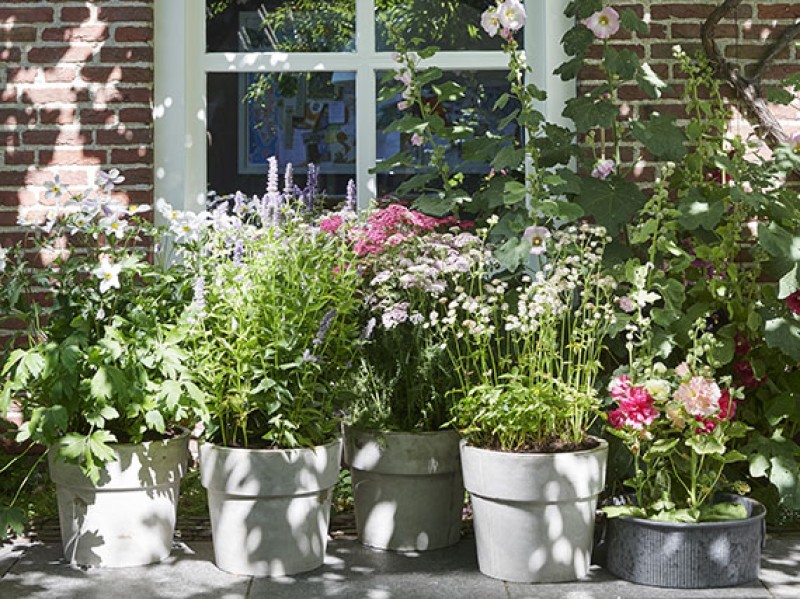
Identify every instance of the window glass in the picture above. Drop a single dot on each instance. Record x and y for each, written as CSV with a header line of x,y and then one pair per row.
x,y
475,109
300,118
447,24
280,25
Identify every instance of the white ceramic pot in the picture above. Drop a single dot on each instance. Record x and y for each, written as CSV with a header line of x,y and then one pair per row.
x,y
534,512
128,517
407,488
269,508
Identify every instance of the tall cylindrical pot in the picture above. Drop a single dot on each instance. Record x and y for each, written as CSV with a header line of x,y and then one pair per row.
x,y
407,488
688,555
269,508
128,517
534,512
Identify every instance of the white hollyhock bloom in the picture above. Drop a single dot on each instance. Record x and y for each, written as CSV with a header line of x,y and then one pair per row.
x,y
490,21
108,273
512,15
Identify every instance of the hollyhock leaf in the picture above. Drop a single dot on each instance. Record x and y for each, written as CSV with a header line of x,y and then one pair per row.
x,y
560,209
482,147
513,253
779,242
429,76
732,456
650,82
611,202
782,407
699,212
789,283
392,163
434,204
783,333
662,137
583,9
449,91
623,63
587,113
706,445
569,70
779,95
408,124
631,21
415,183
662,447
508,158
577,41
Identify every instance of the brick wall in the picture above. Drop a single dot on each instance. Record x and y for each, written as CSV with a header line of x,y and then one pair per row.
x,y
76,96
742,39
77,92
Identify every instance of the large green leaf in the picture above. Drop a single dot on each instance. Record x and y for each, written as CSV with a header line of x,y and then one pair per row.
x,y
783,332
779,242
776,457
587,113
623,63
698,211
662,137
612,202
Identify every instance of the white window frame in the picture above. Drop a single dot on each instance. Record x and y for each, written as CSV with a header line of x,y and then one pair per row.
x,y
181,65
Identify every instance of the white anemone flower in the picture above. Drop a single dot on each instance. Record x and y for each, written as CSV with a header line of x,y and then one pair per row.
x,y
108,273
107,180
54,189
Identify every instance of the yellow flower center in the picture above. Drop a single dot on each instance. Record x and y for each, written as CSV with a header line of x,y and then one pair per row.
x,y
604,21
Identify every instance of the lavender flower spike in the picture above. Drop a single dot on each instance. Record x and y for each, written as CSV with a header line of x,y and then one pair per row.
x,y
288,180
351,198
272,175
324,326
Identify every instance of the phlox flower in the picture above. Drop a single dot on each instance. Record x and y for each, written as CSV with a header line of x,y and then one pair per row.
x,y
604,23
331,224
107,180
54,190
700,396
108,273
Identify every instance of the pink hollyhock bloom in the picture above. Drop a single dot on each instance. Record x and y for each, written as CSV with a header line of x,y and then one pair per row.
x,y
793,302
682,369
727,410
700,396
604,23
635,410
403,105
490,21
620,387
537,237
603,168
417,140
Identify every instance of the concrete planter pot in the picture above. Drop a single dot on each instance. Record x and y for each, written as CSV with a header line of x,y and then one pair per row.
x,y
534,512
269,508
128,517
407,488
688,555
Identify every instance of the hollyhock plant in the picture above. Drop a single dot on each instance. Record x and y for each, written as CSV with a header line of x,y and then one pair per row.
x,y
604,23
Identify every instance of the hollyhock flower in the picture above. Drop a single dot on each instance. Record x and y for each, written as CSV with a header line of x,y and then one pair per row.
x,y
403,105
511,15
417,140
636,409
658,389
490,21
793,302
108,273
107,180
742,347
620,386
603,168
676,417
682,370
727,410
604,23
537,237
626,304
700,396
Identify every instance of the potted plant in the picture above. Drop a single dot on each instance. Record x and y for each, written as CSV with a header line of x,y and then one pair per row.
x,y
677,529
526,353
273,329
102,381
406,470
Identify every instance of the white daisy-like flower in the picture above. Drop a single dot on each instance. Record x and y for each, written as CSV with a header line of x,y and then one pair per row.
x,y
114,224
108,273
107,180
54,190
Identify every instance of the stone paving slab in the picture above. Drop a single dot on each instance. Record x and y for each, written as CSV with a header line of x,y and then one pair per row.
x,y
36,570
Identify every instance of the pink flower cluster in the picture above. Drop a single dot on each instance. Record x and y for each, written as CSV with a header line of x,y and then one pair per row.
x,y
727,410
635,409
387,227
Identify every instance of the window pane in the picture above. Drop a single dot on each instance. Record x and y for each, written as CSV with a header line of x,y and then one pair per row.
x,y
300,118
448,24
280,25
475,109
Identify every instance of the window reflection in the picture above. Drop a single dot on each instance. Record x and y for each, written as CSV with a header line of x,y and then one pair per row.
x,y
280,25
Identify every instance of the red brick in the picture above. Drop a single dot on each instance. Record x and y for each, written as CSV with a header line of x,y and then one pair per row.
x,y
96,116
136,115
142,155
57,116
50,137
692,31
85,33
8,93
75,14
10,55
124,137
779,11
133,34
44,95
138,176
17,116
119,14
60,74
18,34
754,52
9,178
21,157
57,54
8,218
21,74
10,138
113,95
117,74
664,51
81,157
663,12
26,15
119,54
20,197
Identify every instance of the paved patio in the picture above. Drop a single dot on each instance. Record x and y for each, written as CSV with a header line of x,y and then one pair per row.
x,y
36,569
